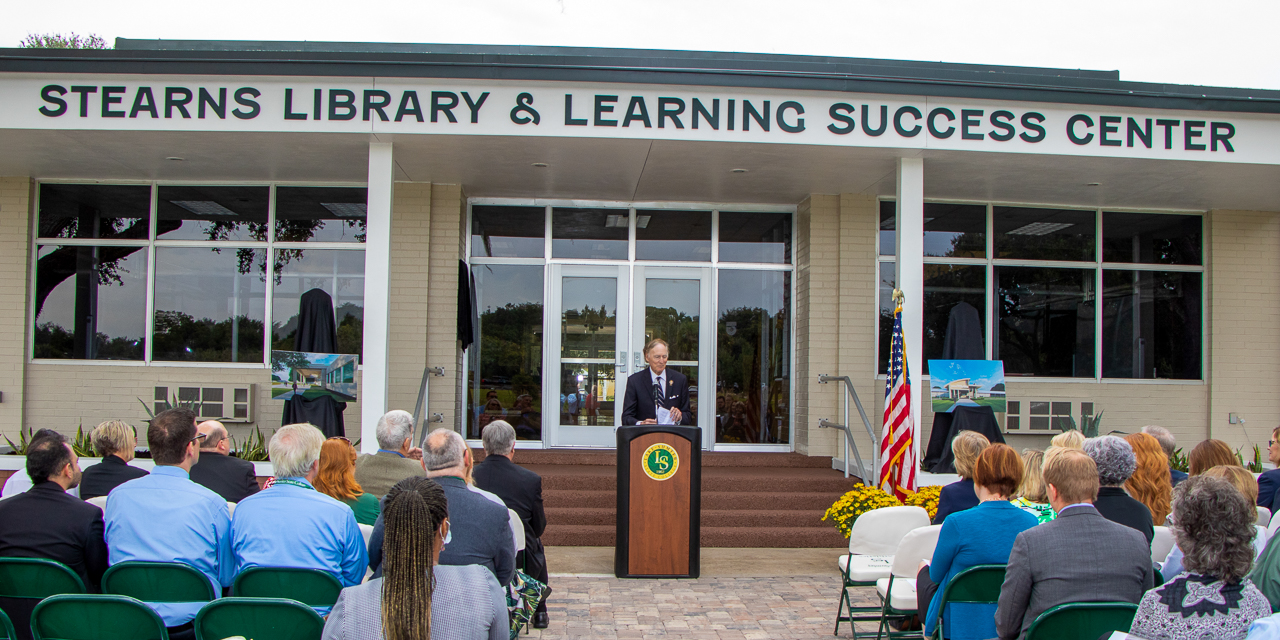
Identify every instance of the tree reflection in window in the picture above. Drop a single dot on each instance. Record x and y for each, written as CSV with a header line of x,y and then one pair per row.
x,y
753,351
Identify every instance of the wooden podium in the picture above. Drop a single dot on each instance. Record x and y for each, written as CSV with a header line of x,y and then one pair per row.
x,y
659,501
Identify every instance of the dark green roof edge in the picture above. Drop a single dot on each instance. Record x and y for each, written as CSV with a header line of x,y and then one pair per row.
x,y
690,68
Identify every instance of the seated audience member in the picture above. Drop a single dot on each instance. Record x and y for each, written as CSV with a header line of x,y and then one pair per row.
x,y
337,479
981,535
21,482
293,525
1070,439
1116,462
1168,444
1032,495
1270,480
1242,481
1209,454
418,597
481,528
1266,573
396,458
47,522
115,441
1079,557
224,474
521,491
1150,482
1212,598
165,517
959,495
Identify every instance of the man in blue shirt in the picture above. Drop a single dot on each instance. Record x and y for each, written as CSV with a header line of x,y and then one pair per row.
x,y
165,517
290,524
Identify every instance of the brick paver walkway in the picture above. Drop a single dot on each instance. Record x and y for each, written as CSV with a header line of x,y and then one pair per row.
x,y
705,609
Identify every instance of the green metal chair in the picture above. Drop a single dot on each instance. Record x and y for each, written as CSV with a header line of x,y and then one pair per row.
x,y
95,617
37,578
1082,620
311,587
158,582
258,618
6,627
976,585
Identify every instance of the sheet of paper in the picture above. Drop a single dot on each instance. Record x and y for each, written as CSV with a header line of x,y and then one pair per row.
x,y
664,415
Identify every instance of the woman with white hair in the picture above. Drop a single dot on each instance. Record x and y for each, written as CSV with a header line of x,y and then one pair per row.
x,y
1116,462
115,441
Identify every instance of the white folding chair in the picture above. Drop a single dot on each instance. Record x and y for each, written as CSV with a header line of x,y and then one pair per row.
x,y
231,508
1272,526
366,530
99,502
872,541
898,591
517,529
1264,517
1161,544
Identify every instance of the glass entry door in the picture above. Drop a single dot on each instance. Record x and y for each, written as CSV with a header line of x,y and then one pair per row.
x,y
587,349
674,304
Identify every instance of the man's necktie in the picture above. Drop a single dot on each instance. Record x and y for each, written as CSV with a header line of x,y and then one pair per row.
x,y
659,399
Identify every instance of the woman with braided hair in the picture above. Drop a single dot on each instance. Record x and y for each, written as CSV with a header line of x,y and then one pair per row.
x,y
416,598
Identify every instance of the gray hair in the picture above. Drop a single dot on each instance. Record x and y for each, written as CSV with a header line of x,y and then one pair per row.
x,y
1114,457
294,448
1162,435
393,428
443,449
1213,525
499,438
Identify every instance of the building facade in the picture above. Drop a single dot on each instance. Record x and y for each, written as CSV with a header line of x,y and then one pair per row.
x,y
166,205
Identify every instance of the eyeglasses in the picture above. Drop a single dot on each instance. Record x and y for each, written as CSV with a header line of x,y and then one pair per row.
x,y
200,436
342,438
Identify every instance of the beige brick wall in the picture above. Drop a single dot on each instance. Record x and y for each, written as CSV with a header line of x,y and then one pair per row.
x,y
410,271
15,199
447,209
817,320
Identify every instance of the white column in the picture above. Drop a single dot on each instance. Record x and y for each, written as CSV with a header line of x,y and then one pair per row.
x,y
909,274
377,293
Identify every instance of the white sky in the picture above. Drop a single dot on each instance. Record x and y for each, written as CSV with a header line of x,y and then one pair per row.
x,y
1223,43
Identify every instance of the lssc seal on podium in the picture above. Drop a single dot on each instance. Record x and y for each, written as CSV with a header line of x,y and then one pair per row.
x,y
660,461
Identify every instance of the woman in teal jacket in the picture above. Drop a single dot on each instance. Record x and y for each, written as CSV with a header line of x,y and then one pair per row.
x,y
981,535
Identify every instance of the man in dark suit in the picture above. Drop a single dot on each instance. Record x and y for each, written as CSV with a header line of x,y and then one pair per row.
x,y
521,490
217,470
115,441
655,387
1078,557
47,522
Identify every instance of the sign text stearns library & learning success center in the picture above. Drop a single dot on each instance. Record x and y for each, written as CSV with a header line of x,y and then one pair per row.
x,y
635,111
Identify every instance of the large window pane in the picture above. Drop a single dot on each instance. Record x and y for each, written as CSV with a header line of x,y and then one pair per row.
x,y
321,214
1046,321
1151,324
1151,238
209,304
673,235
508,232
505,363
1027,233
91,302
955,301
589,322
212,213
753,334
671,312
337,272
888,226
950,230
589,233
755,237
587,394
94,211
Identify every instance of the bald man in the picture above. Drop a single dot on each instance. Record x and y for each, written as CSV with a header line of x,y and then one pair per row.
x,y
219,471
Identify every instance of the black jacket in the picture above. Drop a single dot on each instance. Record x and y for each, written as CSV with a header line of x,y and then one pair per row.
x,y
227,476
101,478
955,497
1116,505
638,403
47,522
519,488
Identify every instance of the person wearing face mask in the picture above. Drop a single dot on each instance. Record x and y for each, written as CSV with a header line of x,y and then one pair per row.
x,y
657,395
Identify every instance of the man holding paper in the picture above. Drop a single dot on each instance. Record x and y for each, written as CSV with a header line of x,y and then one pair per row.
x,y
656,395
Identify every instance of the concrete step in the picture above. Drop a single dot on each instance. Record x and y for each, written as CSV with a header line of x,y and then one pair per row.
x,y
785,479
710,518
609,458
776,537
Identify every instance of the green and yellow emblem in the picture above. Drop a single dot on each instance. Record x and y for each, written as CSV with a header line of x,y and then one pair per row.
x,y
660,461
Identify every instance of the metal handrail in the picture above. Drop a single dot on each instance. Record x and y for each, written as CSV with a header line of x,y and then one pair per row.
x,y
848,434
424,397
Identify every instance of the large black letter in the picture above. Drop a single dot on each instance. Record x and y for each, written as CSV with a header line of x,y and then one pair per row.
x,y
1106,125
288,107
109,98
782,124
670,108
1144,134
206,99
712,118
439,104
409,106
474,107
933,127
840,113
84,98
569,120
347,104
602,108
749,113
247,102
139,105
1168,126
1000,120
380,105
59,105
1071,128
1221,132
1031,120
969,118
641,113
1191,129
897,122
178,97
884,121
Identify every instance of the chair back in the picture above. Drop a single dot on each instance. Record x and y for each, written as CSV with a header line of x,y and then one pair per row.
x,y
311,587
37,578
366,530
978,584
6,627
257,618
99,502
917,545
231,508
1264,517
95,617
517,528
878,532
1272,526
1161,544
158,582
1082,620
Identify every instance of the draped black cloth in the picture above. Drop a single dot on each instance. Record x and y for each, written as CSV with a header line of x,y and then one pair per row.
x,y
317,333
938,457
466,306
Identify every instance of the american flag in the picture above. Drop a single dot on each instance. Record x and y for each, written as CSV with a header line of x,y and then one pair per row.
x,y
897,451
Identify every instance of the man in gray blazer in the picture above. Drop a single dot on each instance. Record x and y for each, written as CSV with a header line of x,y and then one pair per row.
x,y
480,528
1078,557
396,458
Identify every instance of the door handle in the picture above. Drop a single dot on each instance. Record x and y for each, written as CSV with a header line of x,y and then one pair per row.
x,y
639,360
622,361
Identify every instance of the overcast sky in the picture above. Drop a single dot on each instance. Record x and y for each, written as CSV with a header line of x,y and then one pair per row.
x,y
1225,42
